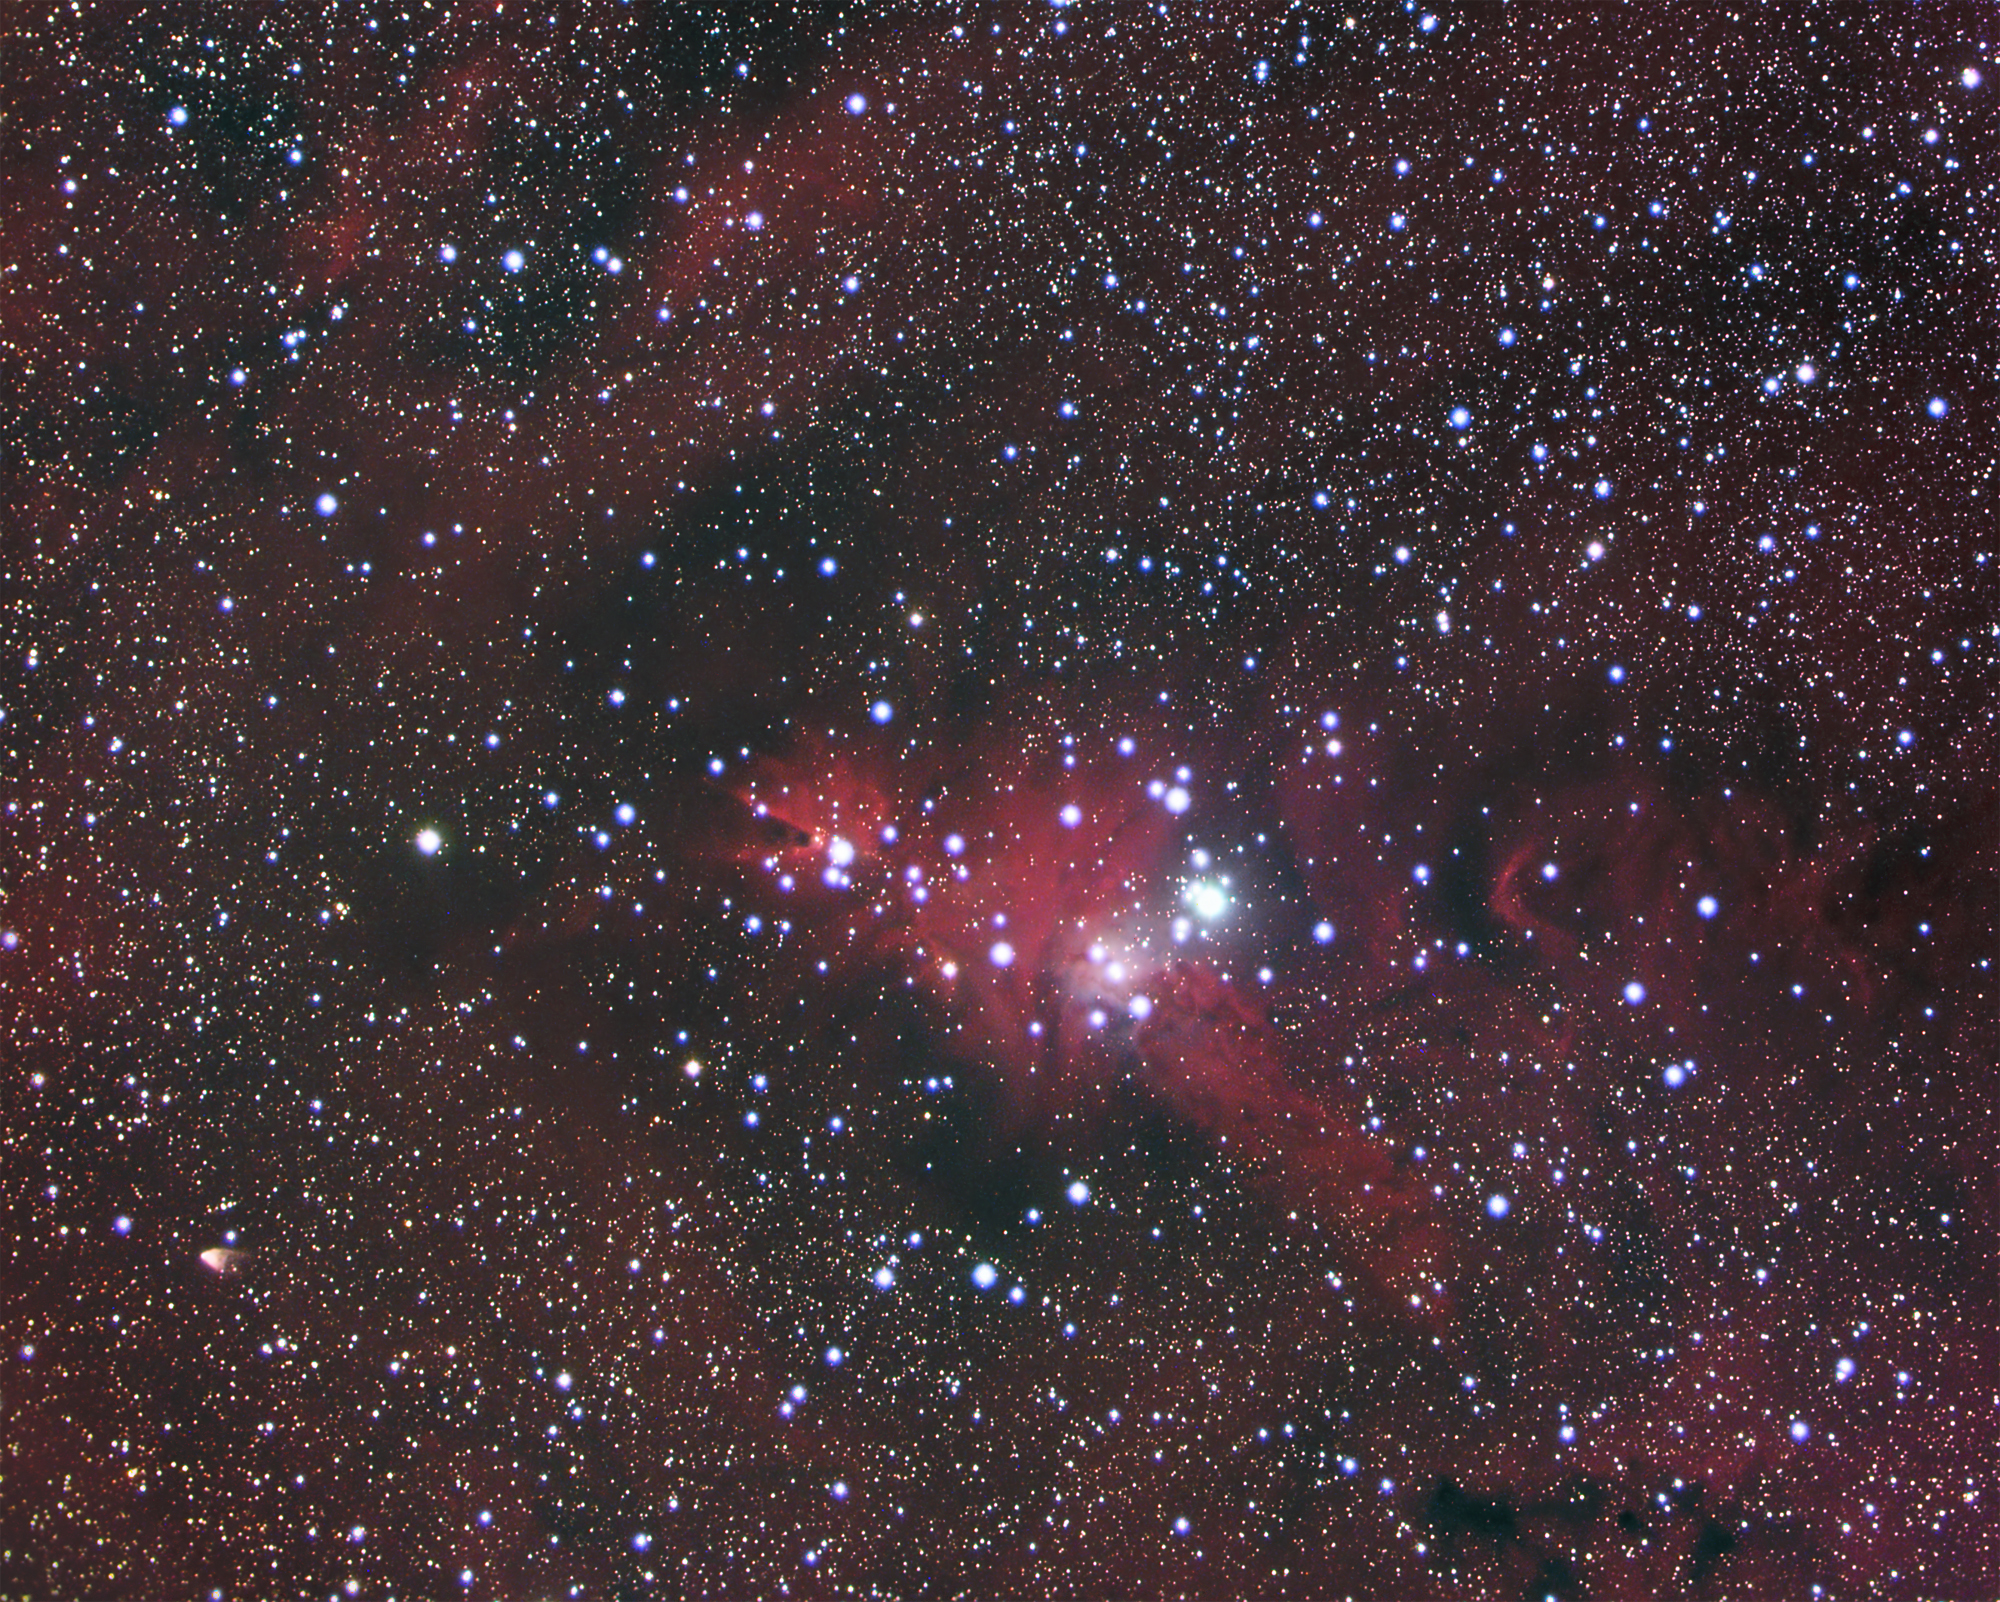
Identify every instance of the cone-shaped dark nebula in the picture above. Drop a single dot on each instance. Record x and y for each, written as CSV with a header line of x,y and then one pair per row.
x,y
1084,799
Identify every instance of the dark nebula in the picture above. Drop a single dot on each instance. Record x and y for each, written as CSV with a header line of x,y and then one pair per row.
x,y
1064,799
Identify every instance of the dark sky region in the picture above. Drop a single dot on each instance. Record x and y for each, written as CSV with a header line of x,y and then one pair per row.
x,y
999,800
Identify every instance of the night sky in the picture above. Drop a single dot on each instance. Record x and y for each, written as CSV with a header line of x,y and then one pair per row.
x,y
999,800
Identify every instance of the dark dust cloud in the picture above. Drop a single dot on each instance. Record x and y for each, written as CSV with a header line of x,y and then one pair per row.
x,y
1182,799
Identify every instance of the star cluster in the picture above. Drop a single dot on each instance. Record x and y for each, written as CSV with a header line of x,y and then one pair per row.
x,y
1070,798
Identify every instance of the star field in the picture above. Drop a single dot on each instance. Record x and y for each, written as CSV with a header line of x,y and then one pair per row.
x,y
1035,799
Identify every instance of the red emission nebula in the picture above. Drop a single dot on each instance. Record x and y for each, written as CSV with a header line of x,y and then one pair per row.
x,y
1059,799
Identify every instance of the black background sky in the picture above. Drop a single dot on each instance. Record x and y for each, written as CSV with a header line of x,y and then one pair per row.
x,y
998,800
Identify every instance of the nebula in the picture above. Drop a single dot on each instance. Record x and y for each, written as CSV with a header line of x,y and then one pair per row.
x,y
1068,800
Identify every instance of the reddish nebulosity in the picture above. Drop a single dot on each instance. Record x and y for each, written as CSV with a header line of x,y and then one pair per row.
x,y
1214,1060
1052,1028
446,1105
